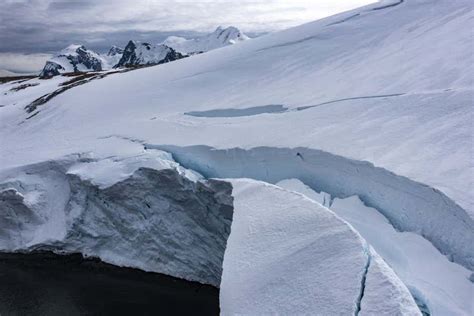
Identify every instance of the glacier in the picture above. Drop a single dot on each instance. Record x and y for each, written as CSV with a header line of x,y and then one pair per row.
x,y
371,109
144,210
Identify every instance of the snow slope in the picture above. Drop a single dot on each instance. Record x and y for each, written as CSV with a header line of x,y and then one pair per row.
x,y
348,86
288,255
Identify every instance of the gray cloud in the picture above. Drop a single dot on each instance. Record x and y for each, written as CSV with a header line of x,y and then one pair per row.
x,y
46,26
69,5
23,63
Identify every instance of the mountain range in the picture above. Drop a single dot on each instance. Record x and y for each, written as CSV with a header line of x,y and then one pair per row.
x,y
77,58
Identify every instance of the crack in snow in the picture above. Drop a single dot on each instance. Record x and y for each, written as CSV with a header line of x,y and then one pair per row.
x,y
344,20
420,302
302,108
363,281
390,5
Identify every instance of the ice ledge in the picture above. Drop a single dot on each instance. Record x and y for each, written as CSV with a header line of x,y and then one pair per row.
x,y
121,212
407,204
106,172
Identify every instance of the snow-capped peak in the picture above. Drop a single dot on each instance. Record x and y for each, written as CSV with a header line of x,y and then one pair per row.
x,y
73,49
141,53
229,35
77,58
219,38
115,50
74,58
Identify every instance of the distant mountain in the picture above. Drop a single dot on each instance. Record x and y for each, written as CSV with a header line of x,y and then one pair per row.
x,y
219,38
7,73
140,53
113,57
77,58
115,51
74,58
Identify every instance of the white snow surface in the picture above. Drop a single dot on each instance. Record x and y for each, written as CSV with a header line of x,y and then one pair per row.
x,y
390,83
106,172
288,255
221,37
424,134
109,61
384,293
442,285
392,86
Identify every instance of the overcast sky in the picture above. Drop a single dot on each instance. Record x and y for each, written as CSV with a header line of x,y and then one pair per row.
x,y
32,29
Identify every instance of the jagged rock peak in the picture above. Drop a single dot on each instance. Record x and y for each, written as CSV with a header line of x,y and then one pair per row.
x,y
115,50
74,58
138,53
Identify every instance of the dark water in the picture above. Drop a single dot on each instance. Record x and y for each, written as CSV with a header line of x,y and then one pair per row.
x,y
46,284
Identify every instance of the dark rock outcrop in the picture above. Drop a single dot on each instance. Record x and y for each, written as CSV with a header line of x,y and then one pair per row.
x,y
141,54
